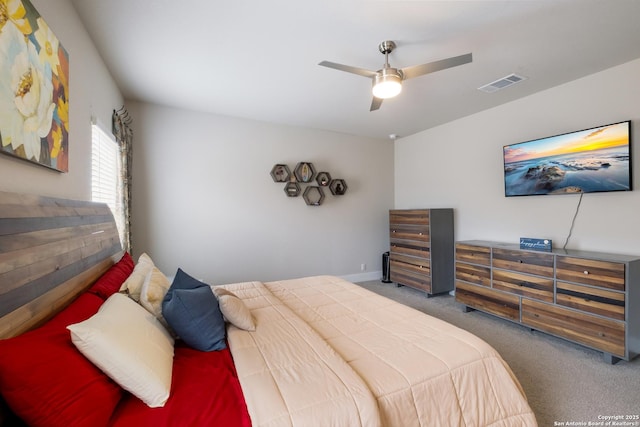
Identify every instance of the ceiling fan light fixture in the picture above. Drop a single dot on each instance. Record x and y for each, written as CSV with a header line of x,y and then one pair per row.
x,y
387,83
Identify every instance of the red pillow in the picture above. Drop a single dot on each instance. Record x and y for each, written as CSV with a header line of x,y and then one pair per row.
x,y
110,282
47,382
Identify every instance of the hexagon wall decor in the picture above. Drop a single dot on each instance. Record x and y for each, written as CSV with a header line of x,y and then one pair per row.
x,y
304,172
280,173
323,179
292,189
338,187
313,195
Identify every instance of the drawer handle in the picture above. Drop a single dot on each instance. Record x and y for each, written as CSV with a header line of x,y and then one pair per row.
x,y
602,334
523,283
536,315
520,261
586,272
420,234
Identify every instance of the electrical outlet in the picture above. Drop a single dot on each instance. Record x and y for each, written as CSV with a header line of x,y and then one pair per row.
x,y
363,267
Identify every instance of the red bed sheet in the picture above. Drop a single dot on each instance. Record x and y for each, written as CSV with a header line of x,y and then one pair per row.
x,y
204,392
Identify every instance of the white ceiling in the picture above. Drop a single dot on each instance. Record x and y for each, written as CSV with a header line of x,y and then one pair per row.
x,y
259,59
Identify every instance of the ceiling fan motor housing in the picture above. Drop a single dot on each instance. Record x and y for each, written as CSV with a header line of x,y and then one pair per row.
x,y
386,47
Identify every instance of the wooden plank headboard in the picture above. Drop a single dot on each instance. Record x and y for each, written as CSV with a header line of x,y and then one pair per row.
x,y
51,250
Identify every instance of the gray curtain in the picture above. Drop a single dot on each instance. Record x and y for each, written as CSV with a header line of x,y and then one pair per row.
x,y
123,132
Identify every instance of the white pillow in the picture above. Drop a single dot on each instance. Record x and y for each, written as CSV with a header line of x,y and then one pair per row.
x,y
234,310
152,293
130,346
133,284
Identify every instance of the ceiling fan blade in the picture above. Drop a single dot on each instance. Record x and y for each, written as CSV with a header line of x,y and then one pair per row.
x,y
348,69
375,103
419,70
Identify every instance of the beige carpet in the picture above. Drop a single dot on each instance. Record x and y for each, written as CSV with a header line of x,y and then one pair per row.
x,y
566,384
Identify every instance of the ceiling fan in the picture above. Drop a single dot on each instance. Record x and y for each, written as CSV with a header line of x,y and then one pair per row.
x,y
387,82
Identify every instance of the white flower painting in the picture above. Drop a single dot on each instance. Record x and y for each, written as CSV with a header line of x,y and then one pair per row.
x,y
34,88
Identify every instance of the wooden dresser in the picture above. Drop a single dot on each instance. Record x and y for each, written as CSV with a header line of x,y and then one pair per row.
x,y
590,298
422,249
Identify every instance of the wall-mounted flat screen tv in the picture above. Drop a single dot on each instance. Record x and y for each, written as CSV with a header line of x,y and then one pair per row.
x,y
586,161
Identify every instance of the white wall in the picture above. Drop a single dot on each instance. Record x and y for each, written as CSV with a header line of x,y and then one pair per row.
x,y
92,92
204,201
459,165
203,198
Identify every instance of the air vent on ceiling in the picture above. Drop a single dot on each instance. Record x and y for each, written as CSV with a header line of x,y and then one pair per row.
x,y
501,83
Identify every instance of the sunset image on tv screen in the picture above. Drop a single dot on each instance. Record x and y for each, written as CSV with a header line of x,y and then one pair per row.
x,y
587,161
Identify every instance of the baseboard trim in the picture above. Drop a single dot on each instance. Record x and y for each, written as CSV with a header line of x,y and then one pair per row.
x,y
363,277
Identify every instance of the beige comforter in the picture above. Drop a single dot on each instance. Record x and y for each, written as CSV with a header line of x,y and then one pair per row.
x,y
327,352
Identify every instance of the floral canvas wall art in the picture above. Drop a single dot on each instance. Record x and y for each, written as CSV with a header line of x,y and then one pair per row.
x,y
34,88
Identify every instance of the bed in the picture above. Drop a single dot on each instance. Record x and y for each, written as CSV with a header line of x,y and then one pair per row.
x,y
313,351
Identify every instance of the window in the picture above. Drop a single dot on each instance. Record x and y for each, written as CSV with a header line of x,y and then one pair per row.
x,y
106,175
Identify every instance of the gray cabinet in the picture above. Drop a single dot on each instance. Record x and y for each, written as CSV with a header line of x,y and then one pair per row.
x,y
422,249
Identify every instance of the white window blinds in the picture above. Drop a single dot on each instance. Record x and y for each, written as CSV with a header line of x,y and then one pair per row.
x,y
106,175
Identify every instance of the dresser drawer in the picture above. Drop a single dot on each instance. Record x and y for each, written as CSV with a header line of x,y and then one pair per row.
x,y
420,269
473,273
409,216
412,232
408,259
411,277
540,264
536,287
473,254
489,300
404,248
594,300
605,274
603,334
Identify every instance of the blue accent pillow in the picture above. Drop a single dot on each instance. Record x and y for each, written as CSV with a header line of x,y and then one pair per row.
x,y
183,281
192,311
